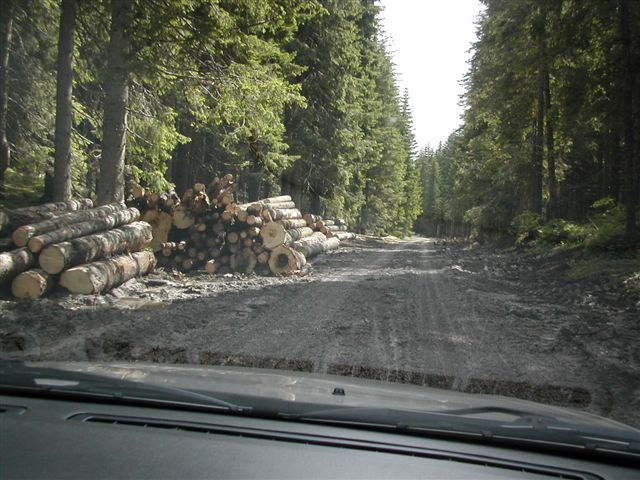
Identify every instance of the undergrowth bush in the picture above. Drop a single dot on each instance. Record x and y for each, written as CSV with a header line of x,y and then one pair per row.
x,y
603,230
526,226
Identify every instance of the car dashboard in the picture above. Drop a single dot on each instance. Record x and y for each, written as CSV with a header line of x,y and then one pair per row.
x,y
47,438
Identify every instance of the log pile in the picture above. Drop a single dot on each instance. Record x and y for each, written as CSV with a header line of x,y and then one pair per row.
x,y
49,241
91,250
211,230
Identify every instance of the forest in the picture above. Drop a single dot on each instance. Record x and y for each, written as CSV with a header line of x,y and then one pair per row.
x,y
291,97
300,98
549,145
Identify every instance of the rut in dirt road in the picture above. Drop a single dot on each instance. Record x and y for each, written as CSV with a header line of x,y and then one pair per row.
x,y
409,311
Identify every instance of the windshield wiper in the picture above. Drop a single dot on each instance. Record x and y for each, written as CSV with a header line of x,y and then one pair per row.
x,y
15,377
526,428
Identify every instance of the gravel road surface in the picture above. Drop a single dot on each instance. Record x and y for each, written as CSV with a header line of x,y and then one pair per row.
x,y
417,311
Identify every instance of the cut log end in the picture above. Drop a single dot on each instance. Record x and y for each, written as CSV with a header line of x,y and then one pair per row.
x,y
52,259
32,284
285,260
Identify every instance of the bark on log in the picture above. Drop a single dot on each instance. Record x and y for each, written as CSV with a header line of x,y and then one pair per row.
x,y
32,284
312,219
14,262
101,276
344,235
338,221
333,228
284,260
276,214
315,246
23,234
281,198
11,219
324,223
292,223
61,256
294,234
281,205
81,229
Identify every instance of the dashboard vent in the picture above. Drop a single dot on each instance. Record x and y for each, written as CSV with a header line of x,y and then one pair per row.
x,y
12,409
336,442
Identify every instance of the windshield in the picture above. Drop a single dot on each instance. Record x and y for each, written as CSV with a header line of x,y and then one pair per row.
x,y
434,195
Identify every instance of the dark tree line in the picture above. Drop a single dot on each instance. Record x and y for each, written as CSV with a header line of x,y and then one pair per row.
x,y
292,96
551,123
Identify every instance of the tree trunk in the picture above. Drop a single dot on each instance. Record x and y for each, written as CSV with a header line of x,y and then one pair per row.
x,y
629,150
32,284
537,154
111,180
64,98
62,256
6,24
14,262
101,276
23,234
81,229
552,210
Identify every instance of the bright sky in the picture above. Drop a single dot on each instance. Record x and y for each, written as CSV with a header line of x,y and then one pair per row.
x,y
429,42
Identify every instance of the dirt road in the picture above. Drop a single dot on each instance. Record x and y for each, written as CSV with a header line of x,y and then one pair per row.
x,y
413,311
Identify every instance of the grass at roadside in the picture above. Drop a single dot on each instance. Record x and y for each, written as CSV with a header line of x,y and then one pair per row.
x,y
624,267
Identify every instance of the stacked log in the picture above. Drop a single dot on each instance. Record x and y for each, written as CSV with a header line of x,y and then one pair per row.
x,y
11,219
68,234
157,210
62,256
209,230
15,262
33,283
91,250
315,244
330,226
198,229
103,275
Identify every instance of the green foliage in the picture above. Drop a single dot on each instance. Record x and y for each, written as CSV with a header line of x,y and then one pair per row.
x,y
544,121
526,226
298,92
604,230
625,266
608,227
23,189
